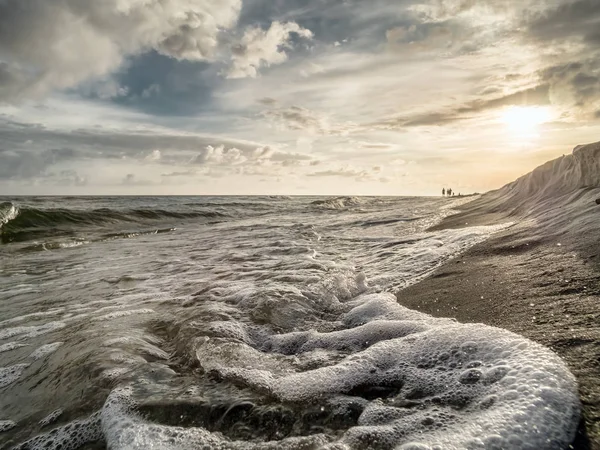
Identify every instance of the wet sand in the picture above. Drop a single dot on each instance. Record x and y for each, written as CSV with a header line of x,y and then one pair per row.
x,y
540,285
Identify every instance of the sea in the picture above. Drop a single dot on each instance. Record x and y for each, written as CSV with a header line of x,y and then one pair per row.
x,y
255,323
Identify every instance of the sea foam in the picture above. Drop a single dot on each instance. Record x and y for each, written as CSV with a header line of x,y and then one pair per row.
x,y
419,382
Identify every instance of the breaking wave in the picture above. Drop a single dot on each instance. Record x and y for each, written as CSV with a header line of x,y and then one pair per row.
x,y
338,203
19,224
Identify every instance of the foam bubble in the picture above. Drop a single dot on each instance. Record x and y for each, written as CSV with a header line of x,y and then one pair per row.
x,y
119,314
68,437
6,425
456,373
51,418
11,346
124,429
32,331
45,350
8,375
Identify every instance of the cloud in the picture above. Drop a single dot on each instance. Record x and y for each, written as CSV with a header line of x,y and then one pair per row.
x,y
575,85
264,48
345,172
376,145
284,157
219,156
296,118
469,110
15,164
154,155
132,180
187,173
114,143
570,19
71,178
129,179
104,89
57,44
267,101
32,150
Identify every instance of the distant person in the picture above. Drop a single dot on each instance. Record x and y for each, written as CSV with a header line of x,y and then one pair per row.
x,y
449,191
443,192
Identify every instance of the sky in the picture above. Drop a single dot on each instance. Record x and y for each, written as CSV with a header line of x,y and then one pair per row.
x,y
291,97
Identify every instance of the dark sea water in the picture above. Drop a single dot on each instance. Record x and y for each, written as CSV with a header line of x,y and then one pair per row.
x,y
254,322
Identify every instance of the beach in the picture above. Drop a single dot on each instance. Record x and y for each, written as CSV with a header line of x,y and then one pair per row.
x,y
540,279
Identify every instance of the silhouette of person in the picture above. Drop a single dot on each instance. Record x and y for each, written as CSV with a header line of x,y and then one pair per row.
x,y
443,192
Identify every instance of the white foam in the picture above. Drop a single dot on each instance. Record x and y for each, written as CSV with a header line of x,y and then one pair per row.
x,y
45,350
69,437
8,375
338,203
6,425
51,418
11,346
8,214
124,430
476,383
37,315
114,373
119,314
32,331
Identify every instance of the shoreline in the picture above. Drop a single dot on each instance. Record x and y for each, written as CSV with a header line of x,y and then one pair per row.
x,y
536,284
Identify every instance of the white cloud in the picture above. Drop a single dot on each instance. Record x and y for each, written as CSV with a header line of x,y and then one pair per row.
x,y
296,118
263,48
218,155
57,44
155,155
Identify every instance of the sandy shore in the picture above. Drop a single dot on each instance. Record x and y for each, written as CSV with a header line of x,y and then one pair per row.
x,y
545,287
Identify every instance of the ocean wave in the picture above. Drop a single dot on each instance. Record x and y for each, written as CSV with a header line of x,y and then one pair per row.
x,y
338,203
8,212
19,224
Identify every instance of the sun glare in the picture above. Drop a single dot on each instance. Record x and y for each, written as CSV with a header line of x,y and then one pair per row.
x,y
525,119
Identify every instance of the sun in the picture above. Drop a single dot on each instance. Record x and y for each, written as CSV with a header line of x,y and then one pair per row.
x,y
525,119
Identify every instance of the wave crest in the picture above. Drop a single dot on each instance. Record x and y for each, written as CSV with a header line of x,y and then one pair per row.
x,y
24,224
338,203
